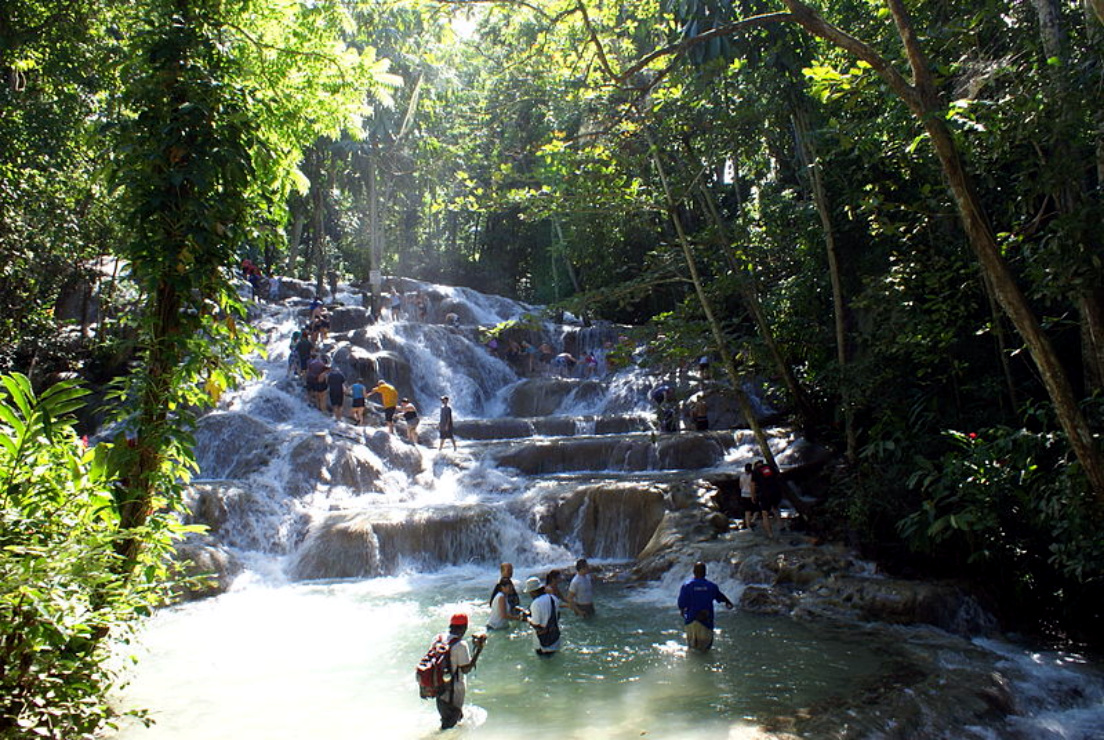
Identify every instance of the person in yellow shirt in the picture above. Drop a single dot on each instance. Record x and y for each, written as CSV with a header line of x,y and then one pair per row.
x,y
389,397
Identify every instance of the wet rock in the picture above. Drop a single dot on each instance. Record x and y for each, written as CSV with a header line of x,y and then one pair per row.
x,y
366,544
241,516
233,445
209,568
290,287
349,318
326,460
717,521
538,396
762,600
691,450
613,520
355,363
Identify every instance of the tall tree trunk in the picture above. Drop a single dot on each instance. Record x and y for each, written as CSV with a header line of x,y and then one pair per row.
x,y
375,239
925,103
298,221
749,293
811,163
721,344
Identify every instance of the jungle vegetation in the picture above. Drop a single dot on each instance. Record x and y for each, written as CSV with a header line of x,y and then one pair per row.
x,y
892,212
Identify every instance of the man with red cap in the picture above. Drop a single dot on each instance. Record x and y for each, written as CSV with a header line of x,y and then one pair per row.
x,y
450,702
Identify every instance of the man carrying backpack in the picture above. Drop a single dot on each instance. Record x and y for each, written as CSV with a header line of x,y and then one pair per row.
x,y
459,661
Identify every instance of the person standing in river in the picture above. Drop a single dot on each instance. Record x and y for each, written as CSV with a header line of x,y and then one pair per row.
x,y
544,616
580,594
461,661
695,603
444,425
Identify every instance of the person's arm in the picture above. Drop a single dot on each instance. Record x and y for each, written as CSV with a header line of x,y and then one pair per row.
x,y
479,641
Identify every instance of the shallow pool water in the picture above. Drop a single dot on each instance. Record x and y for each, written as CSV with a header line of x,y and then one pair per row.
x,y
336,661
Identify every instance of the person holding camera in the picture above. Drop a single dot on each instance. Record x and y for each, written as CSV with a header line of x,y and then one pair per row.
x,y
462,661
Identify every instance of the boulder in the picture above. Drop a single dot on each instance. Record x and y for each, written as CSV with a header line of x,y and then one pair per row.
x,y
234,445
208,568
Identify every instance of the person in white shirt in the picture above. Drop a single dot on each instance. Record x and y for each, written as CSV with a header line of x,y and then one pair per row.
x,y
544,617
450,702
580,594
503,610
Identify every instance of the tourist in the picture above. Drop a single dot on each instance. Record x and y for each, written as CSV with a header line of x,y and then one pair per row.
x,y
421,307
767,492
274,284
580,594
544,615
450,703
303,348
747,491
320,325
699,413
565,363
502,613
359,394
293,362
590,365
335,381
389,398
445,428
316,381
695,602
396,303
410,416
513,600
452,320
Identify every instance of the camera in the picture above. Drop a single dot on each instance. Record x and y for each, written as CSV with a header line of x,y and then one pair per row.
x,y
479,638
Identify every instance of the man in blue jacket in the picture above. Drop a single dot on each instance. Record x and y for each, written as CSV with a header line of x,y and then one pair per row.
x,y
695,601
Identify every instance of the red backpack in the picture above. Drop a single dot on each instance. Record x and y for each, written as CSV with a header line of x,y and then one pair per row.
x,y
433,671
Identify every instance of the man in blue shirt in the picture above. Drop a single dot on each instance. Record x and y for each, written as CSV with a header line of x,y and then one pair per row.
x,y
695,601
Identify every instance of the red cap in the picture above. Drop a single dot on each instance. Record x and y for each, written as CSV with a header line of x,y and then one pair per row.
x,y
458,620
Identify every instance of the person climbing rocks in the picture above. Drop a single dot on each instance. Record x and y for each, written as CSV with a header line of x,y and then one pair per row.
x,y
293,362
462,660
695,602
410,416
766,483
580,594
389,399
316,381
303,348
747,496
445,428
359,394
335,381
699,413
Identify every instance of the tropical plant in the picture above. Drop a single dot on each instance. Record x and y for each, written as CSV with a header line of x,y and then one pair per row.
x,y
61,589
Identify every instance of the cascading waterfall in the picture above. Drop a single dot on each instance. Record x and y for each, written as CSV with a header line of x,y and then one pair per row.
x,y
354,547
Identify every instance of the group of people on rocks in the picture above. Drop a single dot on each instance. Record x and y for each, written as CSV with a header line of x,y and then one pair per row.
x,y
696,598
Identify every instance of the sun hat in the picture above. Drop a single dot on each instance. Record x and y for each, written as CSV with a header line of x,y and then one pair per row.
x,y
532,583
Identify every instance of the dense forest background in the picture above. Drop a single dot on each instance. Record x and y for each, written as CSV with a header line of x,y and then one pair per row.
x,y
892,213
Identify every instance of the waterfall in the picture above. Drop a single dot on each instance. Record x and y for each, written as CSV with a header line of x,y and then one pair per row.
x,y
352,547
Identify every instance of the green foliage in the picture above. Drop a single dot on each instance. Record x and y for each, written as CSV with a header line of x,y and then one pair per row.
x,y
1007,502
61,591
